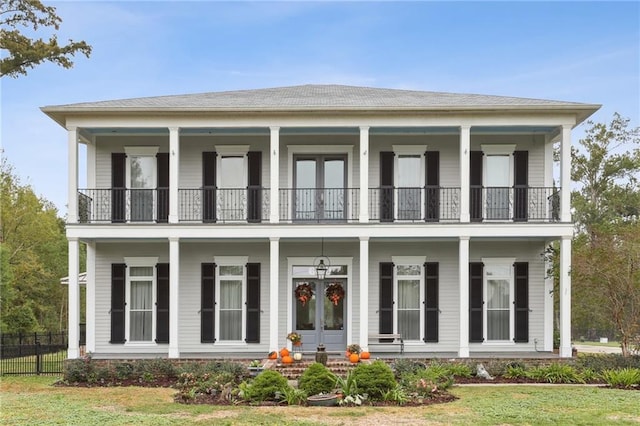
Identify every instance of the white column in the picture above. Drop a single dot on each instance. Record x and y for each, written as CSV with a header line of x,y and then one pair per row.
x,y
72,182
91,163
465,153
565,174
91,298
463,274
274,183
565,297
548,310
364,291
174,164
174,294
274,289
364,175
74,299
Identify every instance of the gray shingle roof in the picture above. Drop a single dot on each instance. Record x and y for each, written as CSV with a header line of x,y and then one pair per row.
x,y
312,97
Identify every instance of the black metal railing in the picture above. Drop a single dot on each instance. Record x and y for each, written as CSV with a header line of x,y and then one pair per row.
x,y
123,205
427,204
518,204
33,353
220,205
319,204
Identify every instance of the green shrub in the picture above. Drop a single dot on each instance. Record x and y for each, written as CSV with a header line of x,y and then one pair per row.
x,y
78,370
557,373
403,367
155,368
267,386
623,377
589,375
459,370
515,372
375,379
397,395
601,362
316,379
347,385
294,396
191,385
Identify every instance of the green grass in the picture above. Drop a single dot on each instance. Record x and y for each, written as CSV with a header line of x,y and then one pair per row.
x,y
609,344
32,400
51,363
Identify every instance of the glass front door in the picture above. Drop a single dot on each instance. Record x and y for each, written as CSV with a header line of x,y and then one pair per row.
x,y
319,193
319,312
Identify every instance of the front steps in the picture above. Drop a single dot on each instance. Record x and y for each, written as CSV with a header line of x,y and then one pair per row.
x,y
339,367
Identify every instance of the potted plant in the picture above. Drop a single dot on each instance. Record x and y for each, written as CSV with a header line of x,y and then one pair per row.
x,y
255,367
295,338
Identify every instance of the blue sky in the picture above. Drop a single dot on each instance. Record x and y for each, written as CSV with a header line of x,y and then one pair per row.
x,y
572,51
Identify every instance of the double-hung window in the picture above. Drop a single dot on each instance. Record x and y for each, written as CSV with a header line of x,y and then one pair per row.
x,y
499,296
409,294
140,299
231,294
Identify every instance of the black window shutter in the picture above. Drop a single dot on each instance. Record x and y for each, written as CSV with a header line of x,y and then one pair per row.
x,y
475,183
386,300
118,186
118,285
162,303
521,272
431,309
254,191
521,184
162,158
432,186
209,187
208,303
386,186
476,271
253,303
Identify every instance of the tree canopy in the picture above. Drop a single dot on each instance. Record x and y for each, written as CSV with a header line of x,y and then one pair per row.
x,y
21,52
606,263
33,259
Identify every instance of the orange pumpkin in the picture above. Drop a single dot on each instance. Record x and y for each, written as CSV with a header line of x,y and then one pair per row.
x,y
287,359
273,355
284,352
354,358
365,355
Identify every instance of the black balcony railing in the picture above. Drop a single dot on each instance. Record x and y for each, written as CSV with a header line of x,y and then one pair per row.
x,y
518,204
319,204
123,205
386,204
219,205
428,204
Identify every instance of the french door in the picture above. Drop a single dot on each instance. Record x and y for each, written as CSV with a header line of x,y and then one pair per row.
x,y
320,312
320,188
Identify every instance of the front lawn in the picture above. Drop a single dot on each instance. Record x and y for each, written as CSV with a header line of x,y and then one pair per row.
x,y
32,400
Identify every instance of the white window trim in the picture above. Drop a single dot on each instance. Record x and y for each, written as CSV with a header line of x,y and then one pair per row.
x,y
501,262
231,261
497,150
320,150
304,261
140,151
407,261
140,262
399,150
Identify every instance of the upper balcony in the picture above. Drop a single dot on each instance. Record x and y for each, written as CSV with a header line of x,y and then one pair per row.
x,y
319,205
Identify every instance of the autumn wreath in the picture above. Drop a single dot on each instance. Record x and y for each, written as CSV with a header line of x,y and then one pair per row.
x,y
304,293
334,292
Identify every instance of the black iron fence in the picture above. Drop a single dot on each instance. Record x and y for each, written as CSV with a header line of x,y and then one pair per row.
x,y
34,353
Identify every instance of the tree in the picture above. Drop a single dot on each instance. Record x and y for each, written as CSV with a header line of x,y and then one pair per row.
x,y
34,258
20,52
606,165
609,269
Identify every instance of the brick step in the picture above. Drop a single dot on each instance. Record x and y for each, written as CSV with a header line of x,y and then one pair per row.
x,y
293,371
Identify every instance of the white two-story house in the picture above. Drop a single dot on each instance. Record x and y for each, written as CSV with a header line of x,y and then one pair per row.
x,y
217,223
